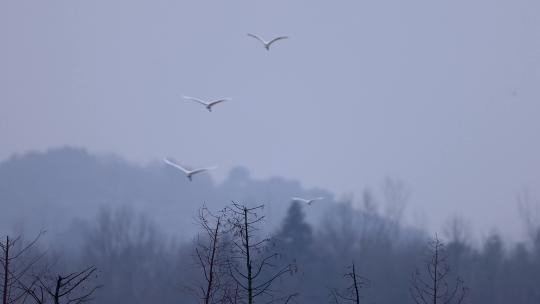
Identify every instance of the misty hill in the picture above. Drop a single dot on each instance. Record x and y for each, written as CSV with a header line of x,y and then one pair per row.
x,y
81,199
52,189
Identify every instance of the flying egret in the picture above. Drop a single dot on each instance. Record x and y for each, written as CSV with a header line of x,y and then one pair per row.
x,y
267,44
187,172
306,201
207,104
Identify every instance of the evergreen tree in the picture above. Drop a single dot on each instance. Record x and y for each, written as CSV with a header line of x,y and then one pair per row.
x,y
296,236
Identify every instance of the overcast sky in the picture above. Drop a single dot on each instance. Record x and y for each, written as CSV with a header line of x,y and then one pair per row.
x,y
443,95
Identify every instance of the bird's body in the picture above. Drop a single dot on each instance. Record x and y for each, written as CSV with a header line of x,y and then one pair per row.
x,y
189,173
306,201
207,104
267,44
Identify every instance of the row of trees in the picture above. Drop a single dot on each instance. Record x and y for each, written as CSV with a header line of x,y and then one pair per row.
x,y
26,279
239,267
356,255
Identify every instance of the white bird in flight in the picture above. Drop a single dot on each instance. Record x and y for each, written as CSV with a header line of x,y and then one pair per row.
x,y
306,201
188,173
267,44
207,104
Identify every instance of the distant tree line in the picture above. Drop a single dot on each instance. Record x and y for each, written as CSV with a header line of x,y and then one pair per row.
x,y
356,255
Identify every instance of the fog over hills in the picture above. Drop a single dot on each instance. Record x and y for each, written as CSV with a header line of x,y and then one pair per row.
x,y
416,121
443,95
52,189
138,226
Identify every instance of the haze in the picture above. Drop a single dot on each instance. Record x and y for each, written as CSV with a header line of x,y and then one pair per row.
x,y
441,95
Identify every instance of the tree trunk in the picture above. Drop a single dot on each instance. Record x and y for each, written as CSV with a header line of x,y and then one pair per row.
x,y
57,290
212,259
6,272
435,276
356,292
248,258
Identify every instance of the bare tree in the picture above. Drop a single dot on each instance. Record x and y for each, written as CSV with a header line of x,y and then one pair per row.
x,y
432,286
457,230
352,292
17,261
251,265
64,289
530,213
137,263
396,195
210,257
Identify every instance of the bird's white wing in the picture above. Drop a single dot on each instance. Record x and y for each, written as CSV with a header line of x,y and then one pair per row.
x,y
196,100
177,166
201,170
312,200
258,38
276,39
299,199
218,101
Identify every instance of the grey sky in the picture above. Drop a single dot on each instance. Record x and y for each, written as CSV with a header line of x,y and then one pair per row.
x,y
441,94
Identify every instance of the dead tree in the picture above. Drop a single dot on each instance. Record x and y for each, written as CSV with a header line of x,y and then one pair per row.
x,y
352,292
211,259
431,286
17,262
530,214
251,264
64,289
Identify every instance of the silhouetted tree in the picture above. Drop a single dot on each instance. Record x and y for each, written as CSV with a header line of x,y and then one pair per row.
x,y
210,257
351,292
295,236
64,289
251,264
17,261
432,285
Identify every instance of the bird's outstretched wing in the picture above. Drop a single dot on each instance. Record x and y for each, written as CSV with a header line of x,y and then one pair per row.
x,y
298,199
177,166
213,103
311,201
202,170
276,39
257,37
204,103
